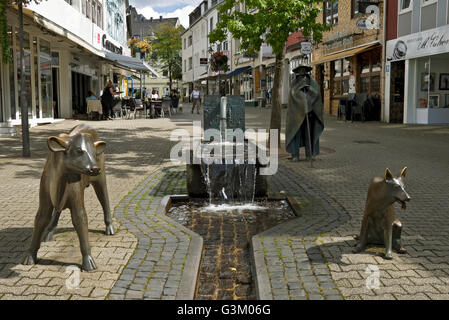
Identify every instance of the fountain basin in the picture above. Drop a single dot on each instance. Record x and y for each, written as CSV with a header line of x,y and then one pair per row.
x,y
226,269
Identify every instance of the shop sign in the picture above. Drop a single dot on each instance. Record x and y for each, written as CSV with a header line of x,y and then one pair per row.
x,y
203,62
108,45
419,44
306,47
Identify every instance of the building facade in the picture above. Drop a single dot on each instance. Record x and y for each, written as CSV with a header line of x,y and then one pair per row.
x,y
251,76
142,27
417,51
349,58
66,44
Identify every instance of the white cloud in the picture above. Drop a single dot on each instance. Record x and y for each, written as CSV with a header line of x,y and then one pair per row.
x,y
182,14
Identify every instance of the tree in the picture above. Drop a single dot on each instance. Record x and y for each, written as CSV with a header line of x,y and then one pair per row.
x,y
270,22
167,46
6,58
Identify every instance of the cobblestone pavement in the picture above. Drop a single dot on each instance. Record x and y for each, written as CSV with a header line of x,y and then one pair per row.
x,y
135,149
307,258
333,193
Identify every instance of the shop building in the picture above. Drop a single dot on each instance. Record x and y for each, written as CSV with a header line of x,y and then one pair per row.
x,y
417,72
70,47
349,58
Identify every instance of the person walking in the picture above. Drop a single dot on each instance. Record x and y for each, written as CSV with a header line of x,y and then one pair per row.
x,y
107,99
196,99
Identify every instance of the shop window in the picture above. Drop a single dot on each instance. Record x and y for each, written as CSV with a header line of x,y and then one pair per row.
x,y
375,83
364,84
12,81
337,70
46,80
370,67
341,72
331,12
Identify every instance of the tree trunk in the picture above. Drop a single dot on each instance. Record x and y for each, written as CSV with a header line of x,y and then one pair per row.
x,y
275,122
23,101
170,77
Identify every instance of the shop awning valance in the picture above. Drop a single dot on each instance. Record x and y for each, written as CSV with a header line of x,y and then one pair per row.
x,y
238,71
130,62
346,53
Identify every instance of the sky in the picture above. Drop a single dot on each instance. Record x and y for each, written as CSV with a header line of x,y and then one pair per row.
x,y
166,8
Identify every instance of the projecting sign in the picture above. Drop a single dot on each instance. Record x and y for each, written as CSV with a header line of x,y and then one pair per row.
x,y
306,47
203,61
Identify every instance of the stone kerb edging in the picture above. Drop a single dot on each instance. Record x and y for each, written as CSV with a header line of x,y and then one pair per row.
x,y
186,289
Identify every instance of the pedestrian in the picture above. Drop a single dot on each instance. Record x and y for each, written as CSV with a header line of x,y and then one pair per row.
x,y
107,99
196,99
174,100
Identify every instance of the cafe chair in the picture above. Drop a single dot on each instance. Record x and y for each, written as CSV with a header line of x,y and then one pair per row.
x,y
358,108
138,107
342,106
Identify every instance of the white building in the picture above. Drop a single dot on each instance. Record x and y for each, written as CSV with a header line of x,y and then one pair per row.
x,y
197,48
71,47
417,72
250,76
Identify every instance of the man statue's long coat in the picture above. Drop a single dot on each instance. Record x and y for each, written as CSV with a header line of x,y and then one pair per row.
x,y
301,102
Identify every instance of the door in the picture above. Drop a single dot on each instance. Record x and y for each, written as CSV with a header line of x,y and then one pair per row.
x,y
397,92
55,76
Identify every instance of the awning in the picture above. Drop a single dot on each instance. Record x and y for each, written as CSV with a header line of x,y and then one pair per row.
x,y
238,71
346,53
130,62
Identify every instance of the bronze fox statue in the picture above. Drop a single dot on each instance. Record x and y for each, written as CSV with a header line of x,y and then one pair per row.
x,y
75,161
379,225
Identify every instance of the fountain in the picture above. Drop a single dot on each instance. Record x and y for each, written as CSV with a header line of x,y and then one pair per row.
x,y
227,202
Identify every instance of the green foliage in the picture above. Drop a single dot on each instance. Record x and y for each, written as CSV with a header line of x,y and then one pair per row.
x,y
167,47
4,40
273,20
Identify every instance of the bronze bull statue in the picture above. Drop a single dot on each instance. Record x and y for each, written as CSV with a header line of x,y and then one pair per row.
x,y
75,161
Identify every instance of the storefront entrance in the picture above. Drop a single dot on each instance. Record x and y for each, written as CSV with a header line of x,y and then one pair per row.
x,y
397,92
80,86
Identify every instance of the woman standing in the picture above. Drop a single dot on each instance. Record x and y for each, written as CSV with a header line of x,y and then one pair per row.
x,y
107,99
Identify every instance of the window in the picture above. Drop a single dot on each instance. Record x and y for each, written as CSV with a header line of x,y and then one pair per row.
x,y
405,5
165,73
88,8
99,16
211,24
69,1
370,71
190,63
426,2
225,46
341,73
190,40
185,65
94,13
185,43
356,7
331,12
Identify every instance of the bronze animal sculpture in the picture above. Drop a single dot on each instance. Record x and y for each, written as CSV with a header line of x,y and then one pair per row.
x,y
379,225
75,161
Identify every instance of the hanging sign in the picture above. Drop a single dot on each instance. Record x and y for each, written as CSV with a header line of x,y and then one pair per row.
x,y
306,47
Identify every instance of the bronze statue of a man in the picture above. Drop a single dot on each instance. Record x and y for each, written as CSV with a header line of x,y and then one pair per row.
x,y
304,101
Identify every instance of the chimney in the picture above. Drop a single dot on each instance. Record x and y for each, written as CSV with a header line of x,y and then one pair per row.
x,y
160,18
